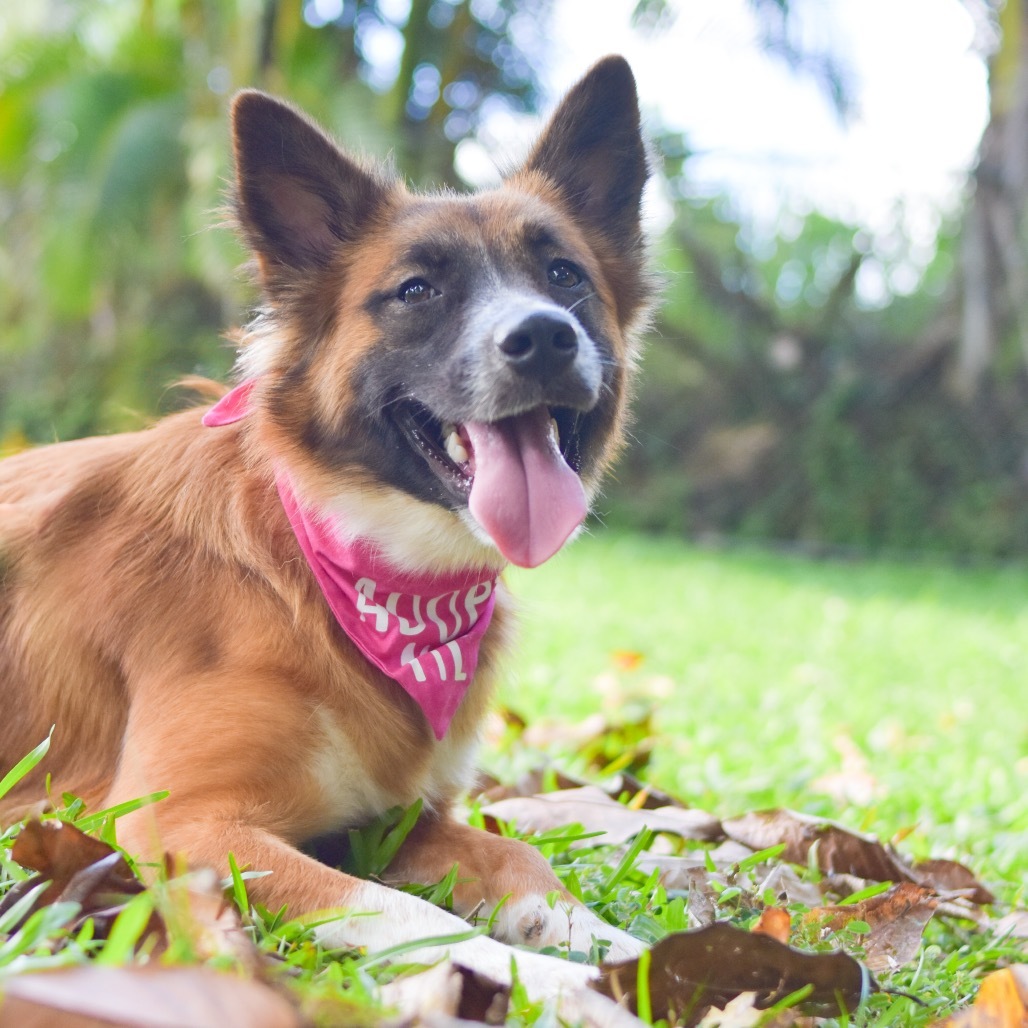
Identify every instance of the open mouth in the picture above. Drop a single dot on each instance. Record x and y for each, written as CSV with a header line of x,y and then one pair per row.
x,y
448,448
518,475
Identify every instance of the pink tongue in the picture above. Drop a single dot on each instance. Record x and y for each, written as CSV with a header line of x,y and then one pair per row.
x,y
524,494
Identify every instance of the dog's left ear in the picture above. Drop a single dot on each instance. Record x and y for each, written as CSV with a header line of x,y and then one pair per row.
x,y
593,151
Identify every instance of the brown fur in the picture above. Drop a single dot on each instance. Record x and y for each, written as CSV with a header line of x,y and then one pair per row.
x,y
155,607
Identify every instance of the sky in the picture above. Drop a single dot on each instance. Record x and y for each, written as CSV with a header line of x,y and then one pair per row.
x,y
767,136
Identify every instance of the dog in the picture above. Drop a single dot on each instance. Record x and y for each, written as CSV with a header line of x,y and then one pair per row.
x,y
285,609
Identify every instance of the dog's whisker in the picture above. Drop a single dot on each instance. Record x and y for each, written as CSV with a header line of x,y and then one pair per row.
x,y
581,300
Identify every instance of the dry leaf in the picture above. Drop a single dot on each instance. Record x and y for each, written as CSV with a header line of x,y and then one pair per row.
x,y
491,790
774,922
1014,925
595,811
643,794
897,919
675,872
787,887
693,971
1002,1002
626,660
839,851
147,997
88,872
950,876
853,782
79,868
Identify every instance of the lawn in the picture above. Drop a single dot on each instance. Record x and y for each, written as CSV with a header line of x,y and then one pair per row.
x,y
889,695
886,696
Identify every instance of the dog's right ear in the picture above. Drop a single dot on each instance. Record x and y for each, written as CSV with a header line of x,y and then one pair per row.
x,y
298,198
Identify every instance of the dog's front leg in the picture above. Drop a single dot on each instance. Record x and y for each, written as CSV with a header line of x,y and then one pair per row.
x,y
350,913
497,872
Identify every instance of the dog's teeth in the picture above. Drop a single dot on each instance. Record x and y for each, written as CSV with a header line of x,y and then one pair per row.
x,y
555,430
455,449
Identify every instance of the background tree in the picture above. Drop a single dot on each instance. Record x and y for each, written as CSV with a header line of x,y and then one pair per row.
x,y
993,326
774,403
113,160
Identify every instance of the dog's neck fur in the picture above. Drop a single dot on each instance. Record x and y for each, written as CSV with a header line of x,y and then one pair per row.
x,y
435,542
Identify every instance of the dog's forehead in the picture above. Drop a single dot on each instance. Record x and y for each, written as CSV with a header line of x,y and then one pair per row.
x,y
429,229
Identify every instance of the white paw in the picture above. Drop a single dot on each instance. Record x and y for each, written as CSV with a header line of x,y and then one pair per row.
x,y
533,922
388,918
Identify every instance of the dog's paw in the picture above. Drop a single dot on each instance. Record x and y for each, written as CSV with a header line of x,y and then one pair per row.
x,y
381,918
532,921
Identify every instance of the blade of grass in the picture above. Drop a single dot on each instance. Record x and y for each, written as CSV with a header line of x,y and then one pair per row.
x,y
872,890
643,1006
127,931
93,821
642,841
415,944
25,765
391,844
238,887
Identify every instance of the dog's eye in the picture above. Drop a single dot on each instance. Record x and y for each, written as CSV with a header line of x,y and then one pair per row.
x,y
564,275
417,290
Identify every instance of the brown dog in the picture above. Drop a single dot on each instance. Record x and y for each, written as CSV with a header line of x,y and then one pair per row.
x,y
285,610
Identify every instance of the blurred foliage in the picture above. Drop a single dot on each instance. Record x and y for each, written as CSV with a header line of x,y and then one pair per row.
x,y
114,156
775,402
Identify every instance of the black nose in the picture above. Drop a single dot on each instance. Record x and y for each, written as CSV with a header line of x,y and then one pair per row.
x,y
543,344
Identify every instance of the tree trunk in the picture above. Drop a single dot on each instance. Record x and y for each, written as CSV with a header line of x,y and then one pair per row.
x,y
994,254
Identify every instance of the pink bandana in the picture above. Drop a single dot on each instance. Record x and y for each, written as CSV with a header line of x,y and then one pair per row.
x,y
422,631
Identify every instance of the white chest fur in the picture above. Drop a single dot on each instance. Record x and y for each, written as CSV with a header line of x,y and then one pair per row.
x,y
349,796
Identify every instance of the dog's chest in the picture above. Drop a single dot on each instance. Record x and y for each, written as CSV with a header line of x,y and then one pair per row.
x,y
349,794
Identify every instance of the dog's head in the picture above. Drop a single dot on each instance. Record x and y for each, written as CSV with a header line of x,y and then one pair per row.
x,y
469,353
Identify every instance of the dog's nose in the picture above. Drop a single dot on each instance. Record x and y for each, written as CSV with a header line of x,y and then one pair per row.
x,y
543,344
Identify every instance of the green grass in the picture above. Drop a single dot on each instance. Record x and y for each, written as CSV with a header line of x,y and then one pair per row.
x,y
756,664
749,668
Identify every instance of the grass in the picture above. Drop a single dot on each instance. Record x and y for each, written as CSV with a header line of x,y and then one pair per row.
x,y
761,675
761,669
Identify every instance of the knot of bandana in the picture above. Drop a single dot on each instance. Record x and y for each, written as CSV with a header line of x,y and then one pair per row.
x,y
423,631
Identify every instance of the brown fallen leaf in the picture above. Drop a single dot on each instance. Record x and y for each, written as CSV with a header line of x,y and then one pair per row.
x,y
853,782
896,919
1002,1002
787,887
774,922
1014,925
191,908
492,790
624,740
951,876
839,850
642,795
693,971
79,869
595,811
146,997
626,660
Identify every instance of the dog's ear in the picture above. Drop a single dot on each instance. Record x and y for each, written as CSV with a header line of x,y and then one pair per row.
x,y
593,151
298,198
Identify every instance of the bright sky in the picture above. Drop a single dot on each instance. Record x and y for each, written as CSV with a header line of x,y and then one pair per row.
x,y
764,134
